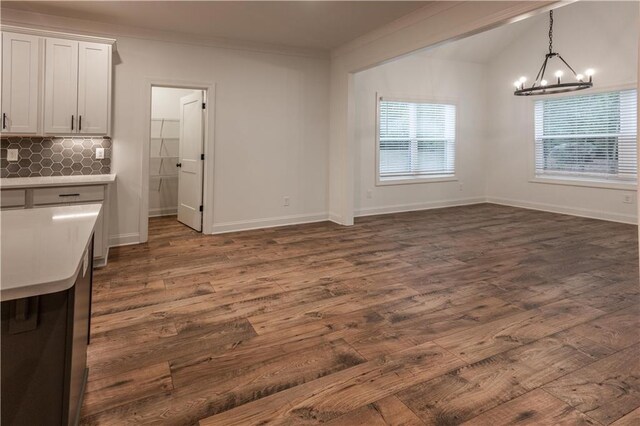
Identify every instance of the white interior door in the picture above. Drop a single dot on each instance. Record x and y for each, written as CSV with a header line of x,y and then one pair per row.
x,y
190,161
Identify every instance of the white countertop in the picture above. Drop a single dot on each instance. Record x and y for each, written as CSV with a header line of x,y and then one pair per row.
x,y
43,249
42,181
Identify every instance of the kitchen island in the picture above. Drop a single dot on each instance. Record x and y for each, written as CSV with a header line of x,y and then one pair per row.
x,y
45,290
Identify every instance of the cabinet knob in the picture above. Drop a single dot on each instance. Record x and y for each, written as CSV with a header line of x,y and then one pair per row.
x,y
179,165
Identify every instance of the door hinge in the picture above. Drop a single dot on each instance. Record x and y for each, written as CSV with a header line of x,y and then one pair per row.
x,y
202,156
200,208
204,105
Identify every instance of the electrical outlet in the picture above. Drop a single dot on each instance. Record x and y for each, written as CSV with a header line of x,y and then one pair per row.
x,y
460,186
369,193
12,155
286,201
628,199
99,153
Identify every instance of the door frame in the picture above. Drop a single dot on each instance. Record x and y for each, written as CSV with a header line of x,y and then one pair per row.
x,y
209,89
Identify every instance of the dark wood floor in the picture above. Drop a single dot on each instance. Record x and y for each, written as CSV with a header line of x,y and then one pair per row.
x,y
482,314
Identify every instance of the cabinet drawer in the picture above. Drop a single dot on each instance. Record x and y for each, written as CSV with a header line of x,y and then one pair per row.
x,y
12,198
68,194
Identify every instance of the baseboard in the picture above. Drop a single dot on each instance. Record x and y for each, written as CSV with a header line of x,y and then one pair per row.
x,y
554,208
101,262
245,225
124,239
221,228
167,211
399,208
335,218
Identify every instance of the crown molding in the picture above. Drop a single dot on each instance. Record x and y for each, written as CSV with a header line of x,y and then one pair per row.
x,y
61,24
57,34
405,21
472,17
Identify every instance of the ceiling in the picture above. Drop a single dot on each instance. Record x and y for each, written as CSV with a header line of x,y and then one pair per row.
x,y
303,24
482,47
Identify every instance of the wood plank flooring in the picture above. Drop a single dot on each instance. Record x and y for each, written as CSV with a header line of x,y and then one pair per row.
x,y
482,315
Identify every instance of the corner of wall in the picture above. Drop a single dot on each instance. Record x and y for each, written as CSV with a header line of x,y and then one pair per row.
x,y
124,239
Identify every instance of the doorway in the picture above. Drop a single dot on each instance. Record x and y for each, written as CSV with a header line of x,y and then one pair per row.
x,y
176,157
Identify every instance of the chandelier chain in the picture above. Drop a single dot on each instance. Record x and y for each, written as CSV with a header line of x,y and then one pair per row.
x,y
551,31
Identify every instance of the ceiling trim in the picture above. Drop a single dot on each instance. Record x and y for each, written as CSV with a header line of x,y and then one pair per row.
x,y
57,34
407,20
367,54
40,21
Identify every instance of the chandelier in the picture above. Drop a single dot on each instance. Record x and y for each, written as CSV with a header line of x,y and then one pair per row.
x,y
541,86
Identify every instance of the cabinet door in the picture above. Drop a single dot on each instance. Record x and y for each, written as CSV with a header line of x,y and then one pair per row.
x,y
20,70
61,86
94,76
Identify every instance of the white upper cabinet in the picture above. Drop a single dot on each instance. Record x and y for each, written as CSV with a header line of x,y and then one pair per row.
x,y
94,86
20,83
61,86
55,84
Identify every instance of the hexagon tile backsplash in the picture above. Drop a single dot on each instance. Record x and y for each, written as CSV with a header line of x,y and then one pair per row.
x,y
54,156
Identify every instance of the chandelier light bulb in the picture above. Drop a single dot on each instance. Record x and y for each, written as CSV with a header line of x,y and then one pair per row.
x,y
517,84
579,77
522,79
558,75
543,83
589,74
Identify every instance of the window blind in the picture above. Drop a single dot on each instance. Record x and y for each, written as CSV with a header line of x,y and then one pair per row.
x,y
416,139
587,136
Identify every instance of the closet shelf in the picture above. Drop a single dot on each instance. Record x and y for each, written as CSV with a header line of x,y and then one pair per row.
x,y
163,176
165,129
166,133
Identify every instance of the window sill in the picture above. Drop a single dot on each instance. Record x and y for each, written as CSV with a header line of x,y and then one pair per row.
x,y
589,183
403,180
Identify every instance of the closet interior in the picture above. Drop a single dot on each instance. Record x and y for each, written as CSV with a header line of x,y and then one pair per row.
x,y
164,150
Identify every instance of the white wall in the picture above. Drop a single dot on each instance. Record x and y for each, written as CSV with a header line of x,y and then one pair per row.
x,y
495,136
600,35
270,129
165,102
435,23
271,126
421,77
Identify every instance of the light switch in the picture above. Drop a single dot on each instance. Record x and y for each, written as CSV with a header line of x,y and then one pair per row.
x,y
12,155
99,153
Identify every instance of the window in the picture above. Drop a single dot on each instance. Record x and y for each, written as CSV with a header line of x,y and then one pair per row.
x,y
416,140
587,136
